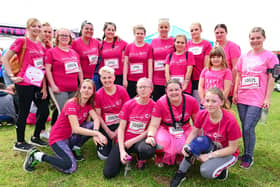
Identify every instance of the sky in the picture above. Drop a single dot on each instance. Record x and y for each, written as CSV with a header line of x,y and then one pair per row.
x,y
240,16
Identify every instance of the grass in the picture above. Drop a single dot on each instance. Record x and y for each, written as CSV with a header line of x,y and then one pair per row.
x,y
264,172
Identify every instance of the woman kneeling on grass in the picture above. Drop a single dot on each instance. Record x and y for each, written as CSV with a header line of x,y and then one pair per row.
x,y
135,116
217,148
70,132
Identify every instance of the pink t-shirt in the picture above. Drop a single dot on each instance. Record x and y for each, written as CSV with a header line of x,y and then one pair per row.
x,y
253,77
137,117
33,55
62,129
138,61
213,78
111,105
88,55
199,50
113,57
62,65
178,67
161,48
232,51
229,129
161,110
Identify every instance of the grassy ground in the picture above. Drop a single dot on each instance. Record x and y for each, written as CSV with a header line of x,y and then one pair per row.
x,y
265,171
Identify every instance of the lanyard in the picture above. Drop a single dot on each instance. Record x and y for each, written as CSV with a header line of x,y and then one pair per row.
x,y
177,124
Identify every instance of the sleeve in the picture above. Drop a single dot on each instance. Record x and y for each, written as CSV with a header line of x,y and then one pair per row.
x,y
239,64
272,61
235,51
124,45
200,118
195,106
124,111
157,110
228,74
17,45
167,59
70,108
49,57
202,75
126,53
150,52
233,129
125,96
191,61
208,48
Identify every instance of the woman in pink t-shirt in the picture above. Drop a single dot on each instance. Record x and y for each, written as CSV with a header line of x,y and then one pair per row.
x,y
87,48
135,116
170,123
213,140
108,103
179,65
253,90
138,61
70,132
63,69
200,49
215,74
112,51
162,46
27,89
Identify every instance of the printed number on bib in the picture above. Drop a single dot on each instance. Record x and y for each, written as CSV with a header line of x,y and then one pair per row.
x,y
250,82
113,63
136,68
178,132
38,62
196,50
136,127
159,65
178,77
112,119
71,67
92,59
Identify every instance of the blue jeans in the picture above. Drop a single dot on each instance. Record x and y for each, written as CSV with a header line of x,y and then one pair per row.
x,y
249,117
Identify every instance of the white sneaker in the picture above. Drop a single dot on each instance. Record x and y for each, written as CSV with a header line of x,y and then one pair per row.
x,y
45,135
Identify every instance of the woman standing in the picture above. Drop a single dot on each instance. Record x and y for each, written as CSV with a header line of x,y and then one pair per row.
x,y
217,148
162,46
179,65
135,116
253,90
70,132
200,49
138,61
33,61
109,101
63,69
112,51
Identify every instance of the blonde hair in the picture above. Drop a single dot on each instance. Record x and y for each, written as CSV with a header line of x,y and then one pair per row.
x,y
106,69
197,24
46,24
31,21
217,51
258,29
163,20
139,27
181,36
220,94
57,35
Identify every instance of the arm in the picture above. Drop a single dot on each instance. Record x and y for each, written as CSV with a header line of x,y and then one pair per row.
x,y
44,89
206,58
187,77
123,153
190,138
154,124
136,139
54,88
150,69
104,126
234,69
237,80
201,91
227,87
8,55
81,76
167,72
97,139
125,71
269,90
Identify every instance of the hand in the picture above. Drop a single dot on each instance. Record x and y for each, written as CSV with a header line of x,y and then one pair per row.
x,y
185,84
123,156
125,83
151,140
45,93
266,103
55,89
100,139
234,98
113,134
16,79
203,157
184,152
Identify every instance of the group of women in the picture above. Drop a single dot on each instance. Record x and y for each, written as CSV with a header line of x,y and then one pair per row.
x,y
121,116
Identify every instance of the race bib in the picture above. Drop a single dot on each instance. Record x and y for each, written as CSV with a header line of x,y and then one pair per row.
x,y
38,62
178,132
136,127
159,65
113,63
196,50
250,82
92,59
112,119
34,76
178,77
71,67
136,68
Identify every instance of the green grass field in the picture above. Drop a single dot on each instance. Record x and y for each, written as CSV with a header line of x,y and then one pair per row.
x,y
264,172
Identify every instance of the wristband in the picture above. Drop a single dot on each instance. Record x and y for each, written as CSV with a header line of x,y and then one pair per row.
x,y
95,129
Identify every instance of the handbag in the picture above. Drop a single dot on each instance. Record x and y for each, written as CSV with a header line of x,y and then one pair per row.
x,y
15,62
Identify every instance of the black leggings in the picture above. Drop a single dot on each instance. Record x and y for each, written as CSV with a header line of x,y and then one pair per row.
x,y
131,89
26,95
113,163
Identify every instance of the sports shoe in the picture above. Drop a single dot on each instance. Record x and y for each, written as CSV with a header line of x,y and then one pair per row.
x,y
223,176
38,142
241,158
160,165
141,164
78,154
247,162
178,179
24,147
45,134
30,160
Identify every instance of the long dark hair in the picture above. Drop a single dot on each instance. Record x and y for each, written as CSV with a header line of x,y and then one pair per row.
x,y
106,24
83,25
91,99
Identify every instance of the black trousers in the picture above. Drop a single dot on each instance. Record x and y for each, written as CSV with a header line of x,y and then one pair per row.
x,y
131,89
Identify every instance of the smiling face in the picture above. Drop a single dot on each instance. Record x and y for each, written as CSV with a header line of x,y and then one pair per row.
x,y
220,34
195,31
174,92
256,40
107,79
163,29
139,35
87,31
34,29
86,90
212,102
216,61
110,31
180,44
63,37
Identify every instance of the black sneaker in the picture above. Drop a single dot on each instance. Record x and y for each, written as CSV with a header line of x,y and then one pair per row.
x,y
178,179
223,176
38,142
30,161
24,147
78,154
